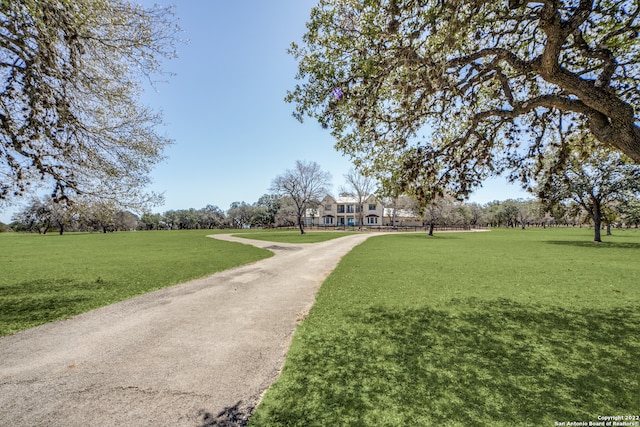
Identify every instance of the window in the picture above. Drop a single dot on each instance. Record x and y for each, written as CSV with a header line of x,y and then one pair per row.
x,y
351,209
372,207
372,220
327,207
328,220
340,208
351,222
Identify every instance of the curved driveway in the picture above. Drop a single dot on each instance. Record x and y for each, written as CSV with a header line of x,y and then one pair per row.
x,y
195,354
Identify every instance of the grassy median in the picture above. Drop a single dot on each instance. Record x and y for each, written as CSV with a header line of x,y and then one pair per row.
x,y
294,236
501,328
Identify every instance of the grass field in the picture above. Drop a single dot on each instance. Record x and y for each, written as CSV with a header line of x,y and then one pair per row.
x,y
294,236
504,328
51,277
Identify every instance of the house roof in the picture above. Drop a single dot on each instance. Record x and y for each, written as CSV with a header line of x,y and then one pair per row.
x,y
346,200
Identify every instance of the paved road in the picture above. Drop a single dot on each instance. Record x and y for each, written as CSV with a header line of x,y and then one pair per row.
x,y
199,353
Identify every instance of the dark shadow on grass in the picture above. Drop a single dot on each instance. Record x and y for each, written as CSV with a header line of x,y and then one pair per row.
x,y
20,311
596,245
479,363
233,416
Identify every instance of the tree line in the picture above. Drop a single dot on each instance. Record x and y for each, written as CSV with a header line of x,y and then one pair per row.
x,y
271,210
43,215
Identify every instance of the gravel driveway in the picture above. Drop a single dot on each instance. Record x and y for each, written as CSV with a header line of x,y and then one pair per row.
x,y
196,354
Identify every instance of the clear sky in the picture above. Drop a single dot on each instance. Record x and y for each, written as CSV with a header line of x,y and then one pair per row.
x,y
225,108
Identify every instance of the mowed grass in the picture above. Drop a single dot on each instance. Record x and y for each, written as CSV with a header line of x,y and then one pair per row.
x,y
503,328
293,236
51,277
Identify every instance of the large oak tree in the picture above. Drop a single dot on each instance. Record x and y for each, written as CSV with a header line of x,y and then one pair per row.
x,y
71,73
454,90
595,178
305,185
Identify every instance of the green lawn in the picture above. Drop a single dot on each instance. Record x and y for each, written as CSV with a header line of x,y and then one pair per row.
x,y
294,236
503,328
51,277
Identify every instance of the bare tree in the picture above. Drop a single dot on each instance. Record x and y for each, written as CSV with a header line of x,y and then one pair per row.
x,y
305,184
361,187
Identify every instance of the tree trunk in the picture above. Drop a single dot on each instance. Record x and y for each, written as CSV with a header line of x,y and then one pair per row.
x,y
596,231
597,221
300,225
431,227
608,229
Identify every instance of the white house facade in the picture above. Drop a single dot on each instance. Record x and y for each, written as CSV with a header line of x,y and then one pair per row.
x,y
345,211
348,212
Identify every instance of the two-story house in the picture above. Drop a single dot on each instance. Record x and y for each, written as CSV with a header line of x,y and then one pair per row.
x,y
346,211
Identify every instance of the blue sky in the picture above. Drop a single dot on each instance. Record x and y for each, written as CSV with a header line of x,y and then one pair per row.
x,y
225,108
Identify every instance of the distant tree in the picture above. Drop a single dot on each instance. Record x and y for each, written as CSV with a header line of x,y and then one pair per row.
x,y
361,186
100,214
260,217
492,213
391,192
443,210
390,207
510,212
188,219
240,214
63,215
305,184
126,221
172,219
388,193
593,180
34,216
42,214
272,204
520,212
151,221
211,216
630,211
287,213
71,74
475,213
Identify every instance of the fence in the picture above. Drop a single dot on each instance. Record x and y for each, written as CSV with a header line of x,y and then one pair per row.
x,y
386,228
